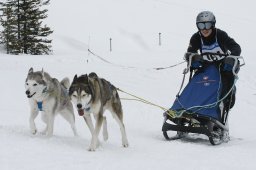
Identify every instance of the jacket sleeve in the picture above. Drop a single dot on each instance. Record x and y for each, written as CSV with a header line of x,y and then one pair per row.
x,y
230,44
194,43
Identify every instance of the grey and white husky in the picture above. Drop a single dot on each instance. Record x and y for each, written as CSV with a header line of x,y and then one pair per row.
x,y
91,94
50,96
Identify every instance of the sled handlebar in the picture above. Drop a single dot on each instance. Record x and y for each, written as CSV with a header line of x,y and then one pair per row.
x,y
211,57
213,54
239,58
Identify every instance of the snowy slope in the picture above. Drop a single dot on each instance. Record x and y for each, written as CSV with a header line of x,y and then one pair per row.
x,y
134,26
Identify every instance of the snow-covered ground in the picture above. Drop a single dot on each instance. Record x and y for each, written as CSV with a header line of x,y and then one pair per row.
x,y
133,26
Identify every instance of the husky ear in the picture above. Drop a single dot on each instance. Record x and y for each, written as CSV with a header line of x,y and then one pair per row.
x,y
75,77
86,78
42,72
91,86
45,76
31,70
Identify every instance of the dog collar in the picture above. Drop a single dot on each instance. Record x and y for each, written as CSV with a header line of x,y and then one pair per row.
x,y
40,106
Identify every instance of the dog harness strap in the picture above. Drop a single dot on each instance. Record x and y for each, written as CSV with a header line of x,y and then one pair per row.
x,y
40,106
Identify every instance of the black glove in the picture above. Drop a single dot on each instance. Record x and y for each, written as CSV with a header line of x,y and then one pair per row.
x,y
229,63
186,55
195,56
197,59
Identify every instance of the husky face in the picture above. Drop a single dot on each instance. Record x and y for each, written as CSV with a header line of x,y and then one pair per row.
x,y
81,94
34,84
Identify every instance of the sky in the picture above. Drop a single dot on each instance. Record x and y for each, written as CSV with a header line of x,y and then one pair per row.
x,y
133,27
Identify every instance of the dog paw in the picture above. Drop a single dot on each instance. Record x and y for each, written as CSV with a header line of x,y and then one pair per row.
x,y
93,146
125,144
33,131
105,136
91,149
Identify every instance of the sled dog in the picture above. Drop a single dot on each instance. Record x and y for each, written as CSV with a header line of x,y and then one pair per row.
x,y
91,94
50,96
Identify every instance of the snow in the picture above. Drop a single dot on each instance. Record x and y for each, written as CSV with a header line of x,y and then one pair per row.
x,y
134,26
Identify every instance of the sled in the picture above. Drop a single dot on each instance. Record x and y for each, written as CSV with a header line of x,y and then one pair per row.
x,y
202,106
194,123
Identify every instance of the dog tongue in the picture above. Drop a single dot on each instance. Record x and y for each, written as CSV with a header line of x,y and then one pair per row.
x,y
81,112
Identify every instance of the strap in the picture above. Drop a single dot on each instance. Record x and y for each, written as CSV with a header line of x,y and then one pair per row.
x,y
40,106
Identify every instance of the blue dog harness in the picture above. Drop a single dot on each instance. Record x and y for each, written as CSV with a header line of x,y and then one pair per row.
x,y
40,106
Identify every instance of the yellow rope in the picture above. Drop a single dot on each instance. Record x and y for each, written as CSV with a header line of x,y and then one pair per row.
x,y
136,98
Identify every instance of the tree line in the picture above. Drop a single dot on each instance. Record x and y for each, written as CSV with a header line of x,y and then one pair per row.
x,y
22,30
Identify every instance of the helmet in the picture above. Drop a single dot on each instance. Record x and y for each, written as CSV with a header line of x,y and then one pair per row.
x,y
206,16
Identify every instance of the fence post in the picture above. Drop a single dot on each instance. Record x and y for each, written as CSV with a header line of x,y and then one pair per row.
x,y
159,39
110,44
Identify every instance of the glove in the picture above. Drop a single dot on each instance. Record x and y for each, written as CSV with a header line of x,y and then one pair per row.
x,y
195,56
186,55
196,64
227,67
228,64
196,61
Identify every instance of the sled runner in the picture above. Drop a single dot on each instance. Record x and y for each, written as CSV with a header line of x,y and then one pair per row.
x,y
204,103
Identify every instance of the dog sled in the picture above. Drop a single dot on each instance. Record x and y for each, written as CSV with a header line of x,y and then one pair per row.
x,y
203,105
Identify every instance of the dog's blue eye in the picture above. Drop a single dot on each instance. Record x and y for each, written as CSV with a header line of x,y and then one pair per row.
x,y
35,84
74,95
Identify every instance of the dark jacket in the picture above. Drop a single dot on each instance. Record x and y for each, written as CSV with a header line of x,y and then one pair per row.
x,y
225,42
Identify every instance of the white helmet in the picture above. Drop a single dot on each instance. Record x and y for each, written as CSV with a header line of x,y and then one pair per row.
x,y
206,17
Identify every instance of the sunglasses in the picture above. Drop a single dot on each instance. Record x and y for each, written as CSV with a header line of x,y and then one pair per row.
x,y
204,25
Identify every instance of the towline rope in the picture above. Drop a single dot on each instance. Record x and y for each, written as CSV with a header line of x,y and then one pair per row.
x,y
136,98
123,66
161,68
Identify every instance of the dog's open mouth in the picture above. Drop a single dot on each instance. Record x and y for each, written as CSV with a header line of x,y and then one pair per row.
x,y
80,112
29,96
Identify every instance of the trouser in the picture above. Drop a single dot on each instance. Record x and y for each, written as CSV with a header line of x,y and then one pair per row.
x,y
227,79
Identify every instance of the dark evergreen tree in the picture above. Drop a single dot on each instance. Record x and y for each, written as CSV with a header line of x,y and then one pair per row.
x,y
9,36
29,34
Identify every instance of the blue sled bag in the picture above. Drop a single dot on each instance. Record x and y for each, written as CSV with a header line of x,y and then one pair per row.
x,y
201,95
